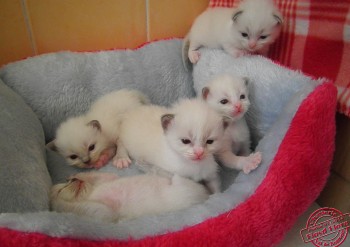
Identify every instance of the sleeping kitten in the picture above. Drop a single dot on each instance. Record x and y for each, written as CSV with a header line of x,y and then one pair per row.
x,y
250,28
180,140
90,140
106,197
229,96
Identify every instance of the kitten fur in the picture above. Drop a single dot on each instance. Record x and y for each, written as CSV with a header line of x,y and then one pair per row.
x,y
180,140
90,140
250,28
106,197
229,96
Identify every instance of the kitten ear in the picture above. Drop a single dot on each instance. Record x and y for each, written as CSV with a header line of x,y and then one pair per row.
x,y
166,120
236,15
51,145
278,18
95,124
205,92
246,81
226,121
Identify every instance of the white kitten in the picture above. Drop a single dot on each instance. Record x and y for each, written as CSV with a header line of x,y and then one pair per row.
x,y
180,140
90,140
106,197
229,96
249,28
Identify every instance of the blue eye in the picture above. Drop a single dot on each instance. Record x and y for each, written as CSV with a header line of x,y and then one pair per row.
x,y
245,35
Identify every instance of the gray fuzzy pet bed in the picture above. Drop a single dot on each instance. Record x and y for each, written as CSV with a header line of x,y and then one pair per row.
x,y
291,120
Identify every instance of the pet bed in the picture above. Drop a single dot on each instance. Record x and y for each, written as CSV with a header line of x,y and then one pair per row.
x,y
291,120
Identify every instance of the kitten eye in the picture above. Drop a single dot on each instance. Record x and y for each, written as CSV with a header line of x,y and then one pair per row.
x,y
263,37
244,35
242,96
185,141
224,101
73,156
91,147
210,142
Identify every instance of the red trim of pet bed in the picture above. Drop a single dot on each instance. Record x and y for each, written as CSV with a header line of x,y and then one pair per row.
x,y
296,177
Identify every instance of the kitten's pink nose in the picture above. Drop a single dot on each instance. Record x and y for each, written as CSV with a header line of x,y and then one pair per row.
x,y
238,107
199,152
252,44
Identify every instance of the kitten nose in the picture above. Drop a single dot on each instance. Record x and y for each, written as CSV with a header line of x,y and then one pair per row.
x,y
86,160
199,152
238,107
252,44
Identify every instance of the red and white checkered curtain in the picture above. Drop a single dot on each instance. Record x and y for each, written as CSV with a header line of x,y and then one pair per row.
x,y
315,39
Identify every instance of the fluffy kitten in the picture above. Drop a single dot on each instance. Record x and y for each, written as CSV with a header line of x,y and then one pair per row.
x,y
180,140
249,28
229,96
90,140
106,197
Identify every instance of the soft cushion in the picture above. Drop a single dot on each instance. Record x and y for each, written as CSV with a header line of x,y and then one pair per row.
x,y
24,179
64,84
287,108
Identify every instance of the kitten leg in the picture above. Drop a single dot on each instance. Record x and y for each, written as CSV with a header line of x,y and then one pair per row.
x,y
213,184
105,156
245,149
245,163
121,159
193,53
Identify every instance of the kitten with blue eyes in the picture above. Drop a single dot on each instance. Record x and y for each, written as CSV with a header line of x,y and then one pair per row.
x,y
250,28
180,140
228,95
91,140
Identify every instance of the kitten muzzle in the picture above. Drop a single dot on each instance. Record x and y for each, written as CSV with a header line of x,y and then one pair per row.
x,y
198,154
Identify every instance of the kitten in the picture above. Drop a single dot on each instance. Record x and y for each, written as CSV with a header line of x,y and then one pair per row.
x,y
229,97
106,197
250,28
90,140
180,140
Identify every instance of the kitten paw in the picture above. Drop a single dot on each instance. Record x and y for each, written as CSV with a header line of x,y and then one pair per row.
x,y
251,162
194,56
102,161
122,162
